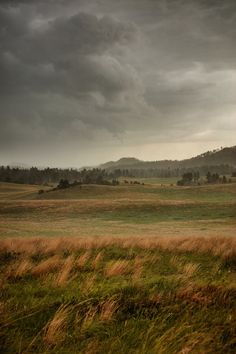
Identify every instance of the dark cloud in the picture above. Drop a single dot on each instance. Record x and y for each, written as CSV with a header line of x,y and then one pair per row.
x,y
118,73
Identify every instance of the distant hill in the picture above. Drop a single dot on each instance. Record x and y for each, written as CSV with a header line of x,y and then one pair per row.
x,y
224,156
121,163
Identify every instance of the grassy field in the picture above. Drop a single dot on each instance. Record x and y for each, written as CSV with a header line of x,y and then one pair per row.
x,y
124,269
149,210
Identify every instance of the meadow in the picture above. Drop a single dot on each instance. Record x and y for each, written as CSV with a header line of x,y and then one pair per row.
x,y
118,269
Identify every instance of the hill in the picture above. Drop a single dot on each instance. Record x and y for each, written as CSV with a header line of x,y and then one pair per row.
x,y
123,162
225,156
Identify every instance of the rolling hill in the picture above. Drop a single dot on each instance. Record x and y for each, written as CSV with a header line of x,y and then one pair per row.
x,y
224,156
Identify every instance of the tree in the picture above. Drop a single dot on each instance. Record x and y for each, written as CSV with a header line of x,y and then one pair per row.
x,y
187,177
224,180
64,183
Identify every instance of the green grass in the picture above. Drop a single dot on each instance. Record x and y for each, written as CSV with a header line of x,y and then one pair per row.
x,y
18,191
107,210
159,213
163,309
153,180
163,299
211,193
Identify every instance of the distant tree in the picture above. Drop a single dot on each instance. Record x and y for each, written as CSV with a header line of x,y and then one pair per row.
x,y
208,177
187,177
212,178
196,176
64,183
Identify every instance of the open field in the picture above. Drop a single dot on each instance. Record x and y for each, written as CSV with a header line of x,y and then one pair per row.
x,y
116,211
124,269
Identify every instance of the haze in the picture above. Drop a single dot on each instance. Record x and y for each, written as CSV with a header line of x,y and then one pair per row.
x,y
83,82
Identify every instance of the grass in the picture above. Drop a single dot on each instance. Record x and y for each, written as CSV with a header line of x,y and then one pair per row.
x,y
18,191
163,295
124,269
106,210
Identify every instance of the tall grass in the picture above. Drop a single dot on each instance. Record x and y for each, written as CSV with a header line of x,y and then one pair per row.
x,y
108,309
117,268
224,247
118,295
49,265
64,276
55,331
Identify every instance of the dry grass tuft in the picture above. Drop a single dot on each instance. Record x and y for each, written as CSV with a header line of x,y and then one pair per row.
x,y
120,267
88,284
55,331
23,268
49,265
18,270
64,276
189,269
83,260
108,309
97,260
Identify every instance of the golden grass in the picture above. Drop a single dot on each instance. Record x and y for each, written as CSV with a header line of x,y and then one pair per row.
x,y
224,247
120,267
49,265
55,331
20,269
108,309
88,284
64,276
97,260
189,269
83,260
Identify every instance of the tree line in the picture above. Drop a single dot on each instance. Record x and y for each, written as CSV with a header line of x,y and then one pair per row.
x,y
48,176
172,172
192,178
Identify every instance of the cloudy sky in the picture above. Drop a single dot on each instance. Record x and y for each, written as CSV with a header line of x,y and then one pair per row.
x,y
83,82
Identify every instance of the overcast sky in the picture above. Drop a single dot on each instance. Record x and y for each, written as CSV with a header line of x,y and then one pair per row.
x,y
86,81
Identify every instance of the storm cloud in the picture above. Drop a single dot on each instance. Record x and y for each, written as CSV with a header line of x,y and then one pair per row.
x,y
86,81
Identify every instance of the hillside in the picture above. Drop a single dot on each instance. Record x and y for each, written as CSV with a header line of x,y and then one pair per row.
x,y
125,161
225,156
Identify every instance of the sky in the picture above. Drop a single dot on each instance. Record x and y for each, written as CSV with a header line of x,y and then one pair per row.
x,y
84,82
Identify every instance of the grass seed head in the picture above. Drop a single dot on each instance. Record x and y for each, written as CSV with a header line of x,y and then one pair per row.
x,y
55,331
